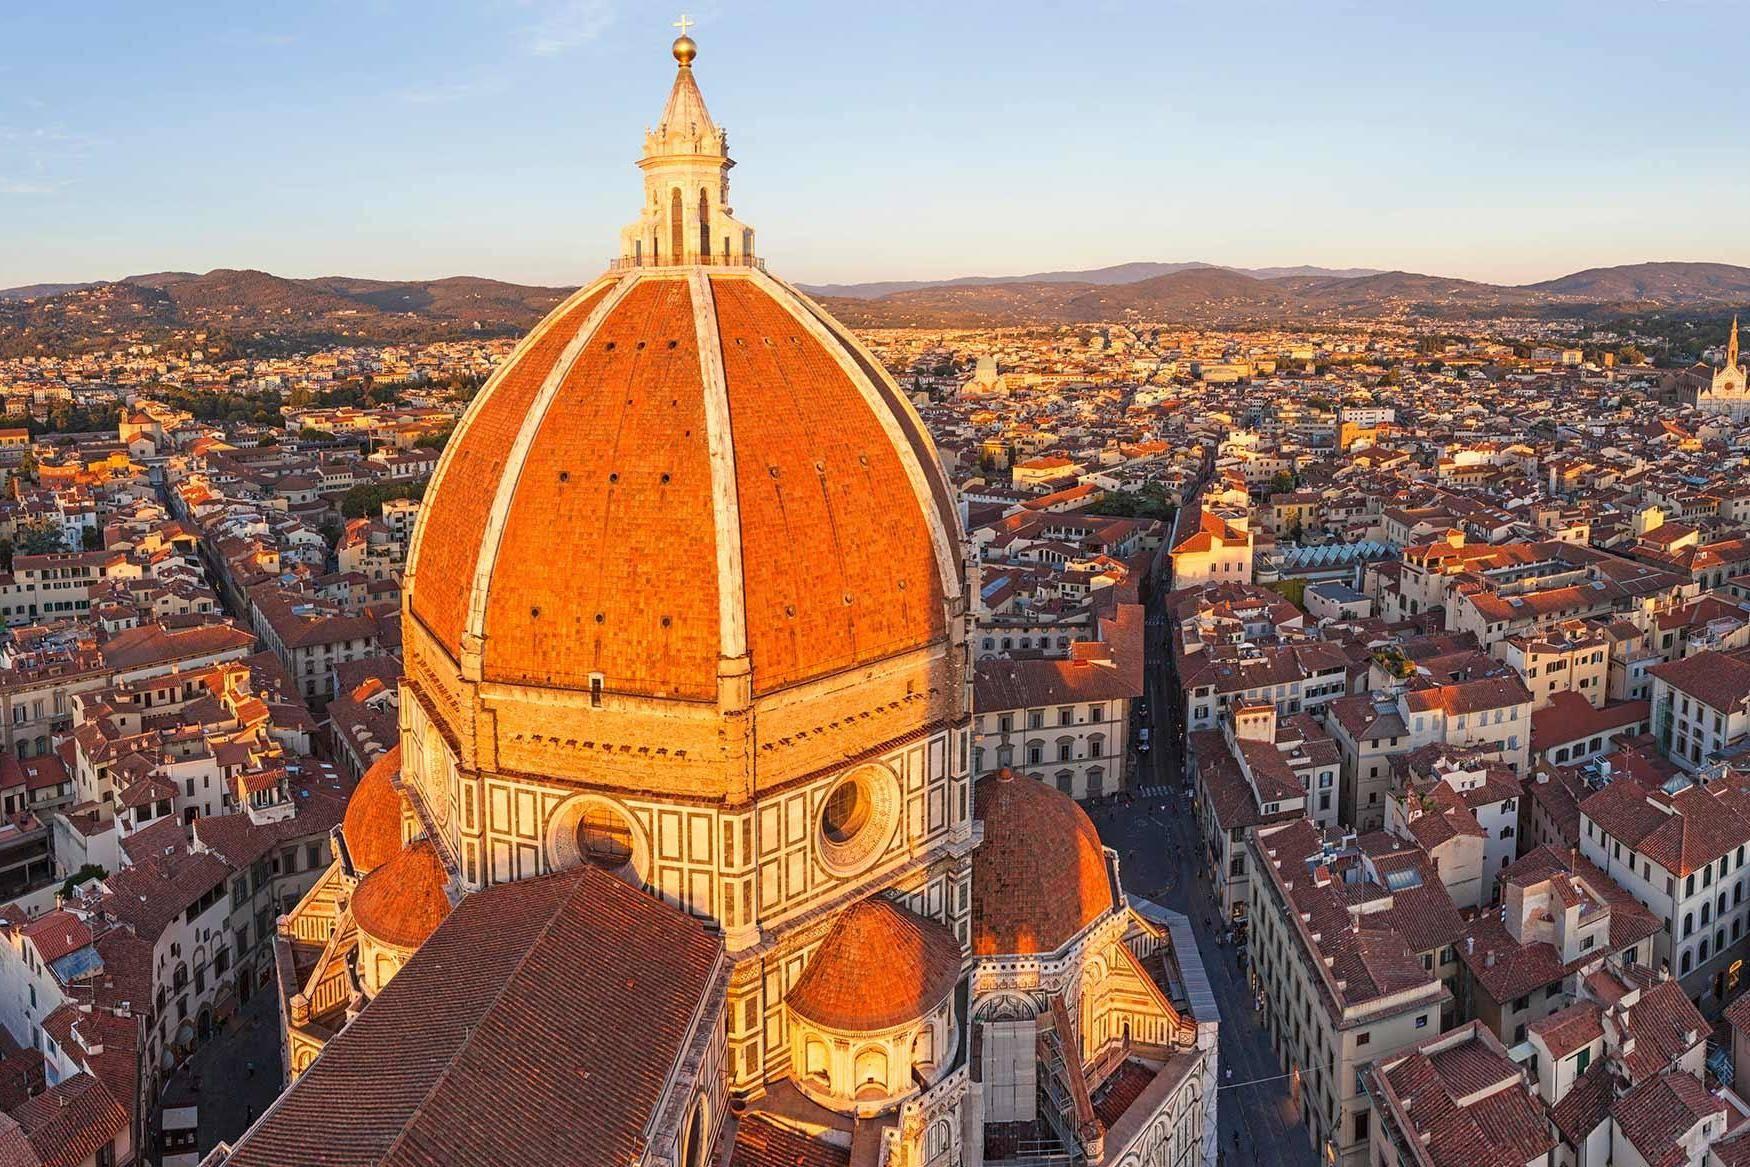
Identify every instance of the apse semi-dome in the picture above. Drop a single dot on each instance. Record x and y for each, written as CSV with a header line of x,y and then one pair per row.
x,y
402,902
1040,877
880,967
372,824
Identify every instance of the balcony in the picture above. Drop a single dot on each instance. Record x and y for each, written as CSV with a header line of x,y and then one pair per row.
x,y
629,262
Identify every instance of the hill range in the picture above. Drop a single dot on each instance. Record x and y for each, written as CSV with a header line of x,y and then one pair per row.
x,y
253,305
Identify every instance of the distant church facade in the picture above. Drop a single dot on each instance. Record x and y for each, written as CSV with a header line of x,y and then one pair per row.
x,y
1726,391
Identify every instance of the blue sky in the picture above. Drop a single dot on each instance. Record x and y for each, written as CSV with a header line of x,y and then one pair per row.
x,y
417,138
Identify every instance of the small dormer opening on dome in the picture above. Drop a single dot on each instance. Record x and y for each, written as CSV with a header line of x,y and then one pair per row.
x,y
686,218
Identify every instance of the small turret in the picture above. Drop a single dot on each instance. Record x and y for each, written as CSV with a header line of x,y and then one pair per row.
x,y
686,218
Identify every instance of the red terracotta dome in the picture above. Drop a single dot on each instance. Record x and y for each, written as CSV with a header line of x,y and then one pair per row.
x,y
1040,875
372,825
720,468
880,966
402,902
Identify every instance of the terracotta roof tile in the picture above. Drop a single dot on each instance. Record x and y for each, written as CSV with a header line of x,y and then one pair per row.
x,y
403,901
470,469
372,826
475,1055
1653,1115
880,966
1040,875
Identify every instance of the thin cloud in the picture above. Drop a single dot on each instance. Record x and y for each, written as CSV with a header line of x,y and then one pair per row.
x,y
35,160
446,92
564,25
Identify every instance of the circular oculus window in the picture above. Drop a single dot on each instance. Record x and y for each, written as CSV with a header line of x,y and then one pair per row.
x,y
858,817
599,832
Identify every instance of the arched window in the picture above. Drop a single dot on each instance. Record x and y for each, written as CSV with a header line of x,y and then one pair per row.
x,y
1707,912
1096,745
923,1050
677,239
938,1140
1688,924
870,1072
815,1064
1701,953
695,1145
704,225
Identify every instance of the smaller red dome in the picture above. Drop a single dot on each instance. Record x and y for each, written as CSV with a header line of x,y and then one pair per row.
x,y
880,966
403,901
372,825
1039,877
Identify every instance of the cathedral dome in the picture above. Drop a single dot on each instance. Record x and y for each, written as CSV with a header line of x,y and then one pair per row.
x,y
654,431
688,492
1039,877
403,901
881,966
372,825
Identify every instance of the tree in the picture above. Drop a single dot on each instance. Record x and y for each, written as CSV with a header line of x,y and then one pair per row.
x,y
91,538
311,434
87,872
1151,501
39,537
435,441
366,499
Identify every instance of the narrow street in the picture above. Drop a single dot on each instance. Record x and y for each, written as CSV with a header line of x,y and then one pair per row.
x,y
1160,851
236,1075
